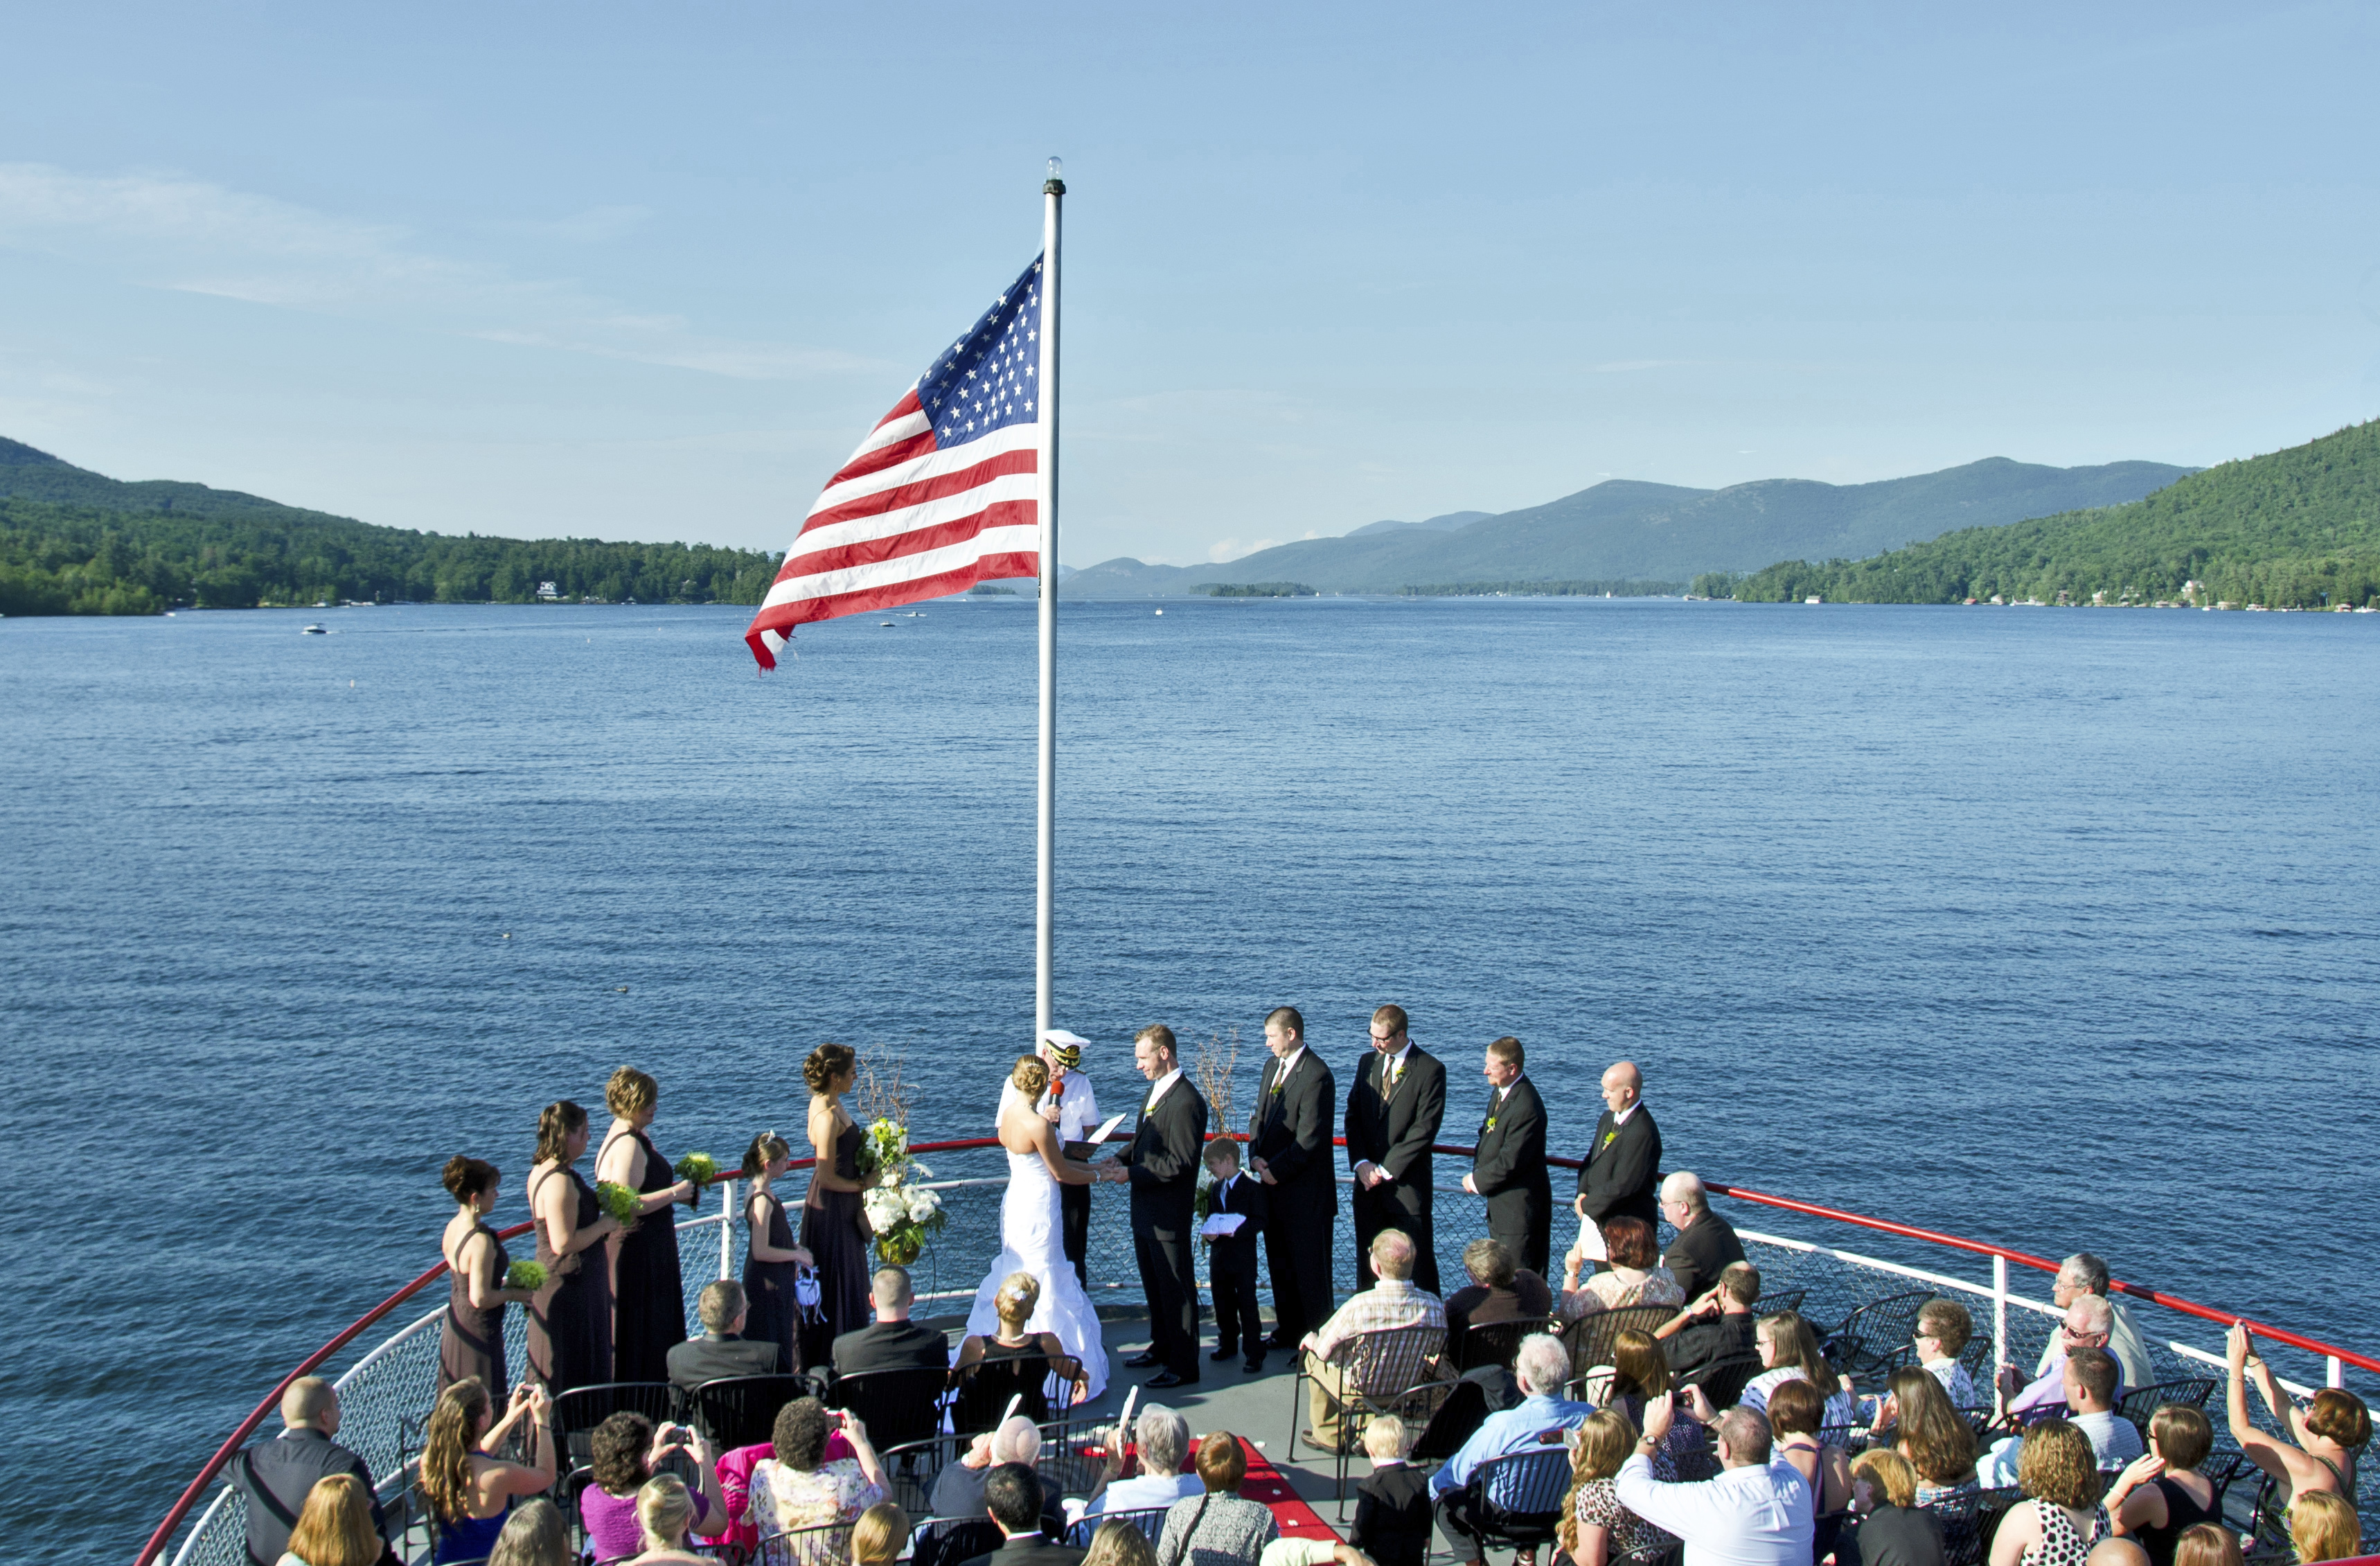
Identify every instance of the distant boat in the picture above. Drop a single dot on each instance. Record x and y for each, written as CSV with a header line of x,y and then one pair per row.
x,y
1160,611
1814,597
886,625
313,631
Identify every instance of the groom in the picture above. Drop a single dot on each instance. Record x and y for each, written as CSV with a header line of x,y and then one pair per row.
x,y
1162,1164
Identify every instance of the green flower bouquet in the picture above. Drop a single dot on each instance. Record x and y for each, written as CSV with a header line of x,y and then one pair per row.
x,y
528,1275
620,1203
700,1168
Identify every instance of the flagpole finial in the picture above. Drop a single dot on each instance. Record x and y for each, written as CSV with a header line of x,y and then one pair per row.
x,y
1056,184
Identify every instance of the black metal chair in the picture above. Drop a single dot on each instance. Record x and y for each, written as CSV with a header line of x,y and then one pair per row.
x,y
1496,1343
829,1545
1046,1382
2141,1406
1073,1452
579,1410
1511,1503
1382,1372
1671,1553
896,1405
1868,1335
1464,1410
1774,1300
1589,1338
913,1467
946,1541
1722,1381
1150,1521
1956,1516
739,1411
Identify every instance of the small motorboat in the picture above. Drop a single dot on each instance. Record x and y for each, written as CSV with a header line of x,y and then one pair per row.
x,y
313,631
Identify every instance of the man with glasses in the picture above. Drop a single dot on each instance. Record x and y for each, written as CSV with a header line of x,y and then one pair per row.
x,y
1393,1112
2088,1324
2081,1274
1705,1244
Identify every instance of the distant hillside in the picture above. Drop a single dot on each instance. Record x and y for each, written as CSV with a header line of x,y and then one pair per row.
x,y
1446,524
2298,529
77,543
1626,530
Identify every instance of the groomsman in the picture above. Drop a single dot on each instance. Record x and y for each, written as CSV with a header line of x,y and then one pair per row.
x,y
1074,1109
1509,1166
1289,1151
1162,1164
1393,1112
1623,1164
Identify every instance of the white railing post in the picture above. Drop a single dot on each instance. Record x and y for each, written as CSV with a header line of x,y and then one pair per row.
x,y
2338,1376
726,1228
1999,1315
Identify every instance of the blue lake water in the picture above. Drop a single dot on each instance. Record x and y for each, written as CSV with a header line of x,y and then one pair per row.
x,y
2055,929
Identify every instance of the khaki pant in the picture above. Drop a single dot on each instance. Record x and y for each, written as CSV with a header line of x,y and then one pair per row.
x,y
1328,1393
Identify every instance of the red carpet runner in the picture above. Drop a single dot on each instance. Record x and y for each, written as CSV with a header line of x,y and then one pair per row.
x,y
1264,1483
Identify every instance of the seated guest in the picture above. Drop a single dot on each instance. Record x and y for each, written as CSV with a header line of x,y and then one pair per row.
x,y
1500,1289
1012,1495
1391,1524
1935,1437
1944,1329
2083,1274
274,1478
2088,1386
799,1487
336,1527
664,1511
627,1448
534,1536
1705,1246
1164,1440
1755,1513
892,1341
1541,1368
467,1490
1220,1528
2159,1496
723,1350
1595,1528
1118,1543
2059,1520
881,1535
1716,1327
1789,1347
1634,1277
1639,1374
2319,1443
1890,1529
2323,1526
1012,1362
1390,1302
2085,1326
1794,1412
958,1490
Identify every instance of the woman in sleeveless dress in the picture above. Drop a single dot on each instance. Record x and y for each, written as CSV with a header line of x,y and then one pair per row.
x,y
2062,1518
833,1227
647,1296
570,1319
1015,1363
468,1492
2162,1493
2318,1443
1031,1237
471,1343
772,1261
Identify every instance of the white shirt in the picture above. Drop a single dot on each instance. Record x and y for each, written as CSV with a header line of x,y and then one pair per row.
x,y
1750,1516
1622,1118
1289,1063
1078,1111
1157,1088
1389,1068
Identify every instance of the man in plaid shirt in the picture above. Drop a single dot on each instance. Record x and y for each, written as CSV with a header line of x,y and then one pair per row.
x,y
1391,1302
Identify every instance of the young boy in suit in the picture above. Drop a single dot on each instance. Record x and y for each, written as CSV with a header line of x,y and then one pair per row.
x,y
1232,1259
1392,1503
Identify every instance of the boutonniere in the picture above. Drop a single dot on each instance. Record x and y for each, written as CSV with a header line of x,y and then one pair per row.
x,y
1490,1125
1610,1137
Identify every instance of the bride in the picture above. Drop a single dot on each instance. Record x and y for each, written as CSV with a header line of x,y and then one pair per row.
x,y
1030,1237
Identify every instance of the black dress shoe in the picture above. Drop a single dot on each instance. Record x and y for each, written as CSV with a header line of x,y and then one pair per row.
x,y
1142,1360
1278,1344
1222,1352
1163,1378
1253,1363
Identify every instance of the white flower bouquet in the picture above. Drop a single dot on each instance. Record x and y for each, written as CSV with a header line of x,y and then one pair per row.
x,y
900,1211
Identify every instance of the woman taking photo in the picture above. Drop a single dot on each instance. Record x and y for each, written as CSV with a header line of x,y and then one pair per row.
x,y
471,1341
570,1318
2317,1452
469,1491
624,1450
773,1263
649,1297
834,1230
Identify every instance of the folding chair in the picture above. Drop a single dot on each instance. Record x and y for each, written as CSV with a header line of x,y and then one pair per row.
x,y
829,1545
579,1410
2141,1407
1590,1337
896,1405
740,1411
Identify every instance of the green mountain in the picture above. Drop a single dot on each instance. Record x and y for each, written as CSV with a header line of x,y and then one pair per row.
x,y
2297,529
77,543
1627,530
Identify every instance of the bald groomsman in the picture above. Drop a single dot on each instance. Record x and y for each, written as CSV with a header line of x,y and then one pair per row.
x,y
1508,1168
1394,1111
1623,1164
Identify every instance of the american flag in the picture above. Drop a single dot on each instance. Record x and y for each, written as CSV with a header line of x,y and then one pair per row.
x,y
941,495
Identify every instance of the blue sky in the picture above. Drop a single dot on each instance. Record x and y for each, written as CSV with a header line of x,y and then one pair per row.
x,y
650,272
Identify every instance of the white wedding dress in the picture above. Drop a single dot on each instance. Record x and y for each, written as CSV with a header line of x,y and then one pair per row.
x,y
1031,1241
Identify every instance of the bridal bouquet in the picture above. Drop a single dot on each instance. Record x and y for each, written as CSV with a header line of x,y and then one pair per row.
x,y
901,1211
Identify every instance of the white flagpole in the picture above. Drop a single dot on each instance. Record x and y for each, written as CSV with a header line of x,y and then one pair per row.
x,y
1054,191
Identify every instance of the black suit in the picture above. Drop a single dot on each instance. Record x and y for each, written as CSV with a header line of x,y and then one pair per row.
x,y
1622,1176
1232,1268
1703,1249
891,1345
1510,1172
1291,1131
715,1359
1163,1163
274,1478
1392,1516
1034,1551
1392,1124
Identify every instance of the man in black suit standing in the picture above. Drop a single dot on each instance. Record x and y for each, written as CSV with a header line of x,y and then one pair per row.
x,y
1509,1166
723,1350
1162,1164
274,1478
1393,1112
1624,1164
1012,1498
1288,1149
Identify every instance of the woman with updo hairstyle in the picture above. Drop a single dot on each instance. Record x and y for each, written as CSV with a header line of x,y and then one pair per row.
x,y
880,1535
664,1511
772,1261
570,1318
471,1341
834,1227
647,1296
1012,1363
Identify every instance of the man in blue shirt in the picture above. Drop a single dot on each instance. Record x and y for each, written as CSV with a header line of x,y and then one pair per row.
x,y
1535,1423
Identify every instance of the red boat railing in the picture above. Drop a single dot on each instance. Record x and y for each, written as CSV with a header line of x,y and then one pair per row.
x,y
2001,1255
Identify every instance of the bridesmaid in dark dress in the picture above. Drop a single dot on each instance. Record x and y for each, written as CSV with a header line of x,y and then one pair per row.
x,y
772,1260
834,1230
472,1341
647,1296
570,1319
